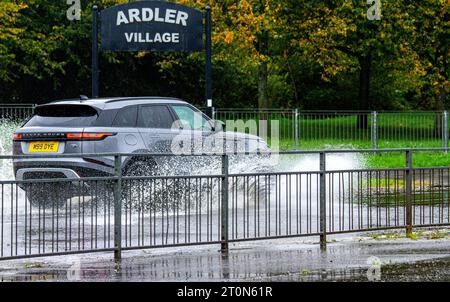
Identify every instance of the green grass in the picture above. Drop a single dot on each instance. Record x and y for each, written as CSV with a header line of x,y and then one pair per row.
x,y
311,127
319,144
390,199
395,130
382,159
390,192
431,234
397,160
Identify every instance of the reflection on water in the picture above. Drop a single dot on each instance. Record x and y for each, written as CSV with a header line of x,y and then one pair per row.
x,y
252,265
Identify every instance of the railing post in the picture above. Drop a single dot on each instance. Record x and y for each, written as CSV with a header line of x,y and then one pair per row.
x,y
118,208
445,129
374,134
323,212
408,197
296,126
224,206
210,112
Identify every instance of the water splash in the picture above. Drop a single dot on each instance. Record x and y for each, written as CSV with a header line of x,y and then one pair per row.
x,y
212,165
7,128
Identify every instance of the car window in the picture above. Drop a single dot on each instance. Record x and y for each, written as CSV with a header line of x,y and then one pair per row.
x,y
155,116
191,119
63,116
126,117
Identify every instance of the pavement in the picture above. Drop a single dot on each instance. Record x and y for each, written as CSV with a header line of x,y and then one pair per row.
x,y
380,256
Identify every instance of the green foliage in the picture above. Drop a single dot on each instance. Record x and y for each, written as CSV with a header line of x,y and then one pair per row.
x,y
314,54
10,32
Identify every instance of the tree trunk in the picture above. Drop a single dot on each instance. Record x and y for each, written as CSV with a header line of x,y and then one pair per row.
x,y
438,131
263,49
263,101
291,75
364,90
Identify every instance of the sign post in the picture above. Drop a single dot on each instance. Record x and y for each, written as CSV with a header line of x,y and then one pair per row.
x,y
153,26
208,64
94,51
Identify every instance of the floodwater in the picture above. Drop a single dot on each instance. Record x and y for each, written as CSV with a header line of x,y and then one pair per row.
x,y
281,205
347,258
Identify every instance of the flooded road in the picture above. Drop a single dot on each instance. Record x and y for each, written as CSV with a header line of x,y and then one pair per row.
x,y
348,258
282,203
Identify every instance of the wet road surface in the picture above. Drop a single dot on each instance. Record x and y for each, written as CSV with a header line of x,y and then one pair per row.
x,y
348,258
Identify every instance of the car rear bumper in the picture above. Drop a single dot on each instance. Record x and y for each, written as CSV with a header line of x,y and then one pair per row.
x,y
22,173
71,168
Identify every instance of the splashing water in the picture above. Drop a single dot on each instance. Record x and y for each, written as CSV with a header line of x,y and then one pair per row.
x,y
255,190
7,128
166,197
212,165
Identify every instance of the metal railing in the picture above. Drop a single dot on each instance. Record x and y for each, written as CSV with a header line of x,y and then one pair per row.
x,y
362,129
120,212
305,129
16,111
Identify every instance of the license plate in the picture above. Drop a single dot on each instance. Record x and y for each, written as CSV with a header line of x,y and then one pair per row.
x,y
43,147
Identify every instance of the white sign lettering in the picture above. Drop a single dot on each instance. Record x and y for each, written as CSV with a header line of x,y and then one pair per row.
x,y
134,15
137,37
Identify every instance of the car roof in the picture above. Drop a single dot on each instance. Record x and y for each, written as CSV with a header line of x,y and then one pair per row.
x,y
117,102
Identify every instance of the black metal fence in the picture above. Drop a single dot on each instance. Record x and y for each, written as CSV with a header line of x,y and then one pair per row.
x,y
362,129
303,129
120,212
16,111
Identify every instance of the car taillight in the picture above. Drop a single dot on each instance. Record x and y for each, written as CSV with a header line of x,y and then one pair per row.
x,y
17,136
88,135
74,135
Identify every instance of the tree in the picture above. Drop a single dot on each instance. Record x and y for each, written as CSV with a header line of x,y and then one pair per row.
x,y
10,32
307,54
242,36
340,38
432,44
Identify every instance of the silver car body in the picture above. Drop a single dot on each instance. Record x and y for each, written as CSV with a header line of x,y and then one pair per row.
x,y
132,138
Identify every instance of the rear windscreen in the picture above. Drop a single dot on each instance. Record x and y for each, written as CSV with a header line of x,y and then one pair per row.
x,y
63,116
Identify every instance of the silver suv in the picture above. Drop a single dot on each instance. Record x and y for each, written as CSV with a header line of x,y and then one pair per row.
x,y
113,125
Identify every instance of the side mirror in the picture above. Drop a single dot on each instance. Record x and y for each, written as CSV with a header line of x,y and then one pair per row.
x,y
217,125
